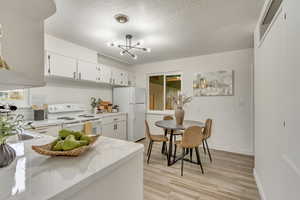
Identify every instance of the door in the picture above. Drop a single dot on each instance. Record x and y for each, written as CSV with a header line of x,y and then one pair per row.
x,y
58,65
87,71
136,122
137,95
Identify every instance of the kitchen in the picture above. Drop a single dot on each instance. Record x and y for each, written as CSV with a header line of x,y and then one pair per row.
x,y
73,91
149,100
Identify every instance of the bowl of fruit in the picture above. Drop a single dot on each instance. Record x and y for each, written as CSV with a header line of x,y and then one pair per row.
x,y
68,143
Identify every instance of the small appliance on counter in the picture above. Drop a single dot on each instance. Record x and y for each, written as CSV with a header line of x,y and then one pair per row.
x,y
40,113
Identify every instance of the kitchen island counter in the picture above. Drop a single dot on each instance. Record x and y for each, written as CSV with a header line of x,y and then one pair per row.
x,y
112,169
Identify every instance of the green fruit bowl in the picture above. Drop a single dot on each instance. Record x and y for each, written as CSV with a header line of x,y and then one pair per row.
x,y
46,149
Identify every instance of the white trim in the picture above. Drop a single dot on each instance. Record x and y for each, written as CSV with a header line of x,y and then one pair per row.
x,y
231,149
259,185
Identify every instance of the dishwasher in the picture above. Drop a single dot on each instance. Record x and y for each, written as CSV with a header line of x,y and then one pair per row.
x,y
79,126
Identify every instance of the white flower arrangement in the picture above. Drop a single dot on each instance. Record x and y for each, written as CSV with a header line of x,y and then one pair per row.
x,y
182,100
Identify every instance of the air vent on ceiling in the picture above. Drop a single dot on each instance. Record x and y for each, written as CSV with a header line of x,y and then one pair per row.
x,y
268,18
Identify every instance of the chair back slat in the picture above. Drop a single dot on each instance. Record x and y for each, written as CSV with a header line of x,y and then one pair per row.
x,y
207,129
192,137
148,134
168,117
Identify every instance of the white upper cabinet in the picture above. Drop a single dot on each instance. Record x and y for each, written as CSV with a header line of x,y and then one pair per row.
x,y
65,59
62,66
87,71
104,74
22,42
69,49
119,77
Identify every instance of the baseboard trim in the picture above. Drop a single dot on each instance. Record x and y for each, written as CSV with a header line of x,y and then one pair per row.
x,y
259,185
231,150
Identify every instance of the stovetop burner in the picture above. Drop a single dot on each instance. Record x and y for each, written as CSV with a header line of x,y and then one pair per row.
x,y
66,118
86,116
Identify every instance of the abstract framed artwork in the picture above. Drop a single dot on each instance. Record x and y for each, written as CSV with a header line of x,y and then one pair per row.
x,y
217,83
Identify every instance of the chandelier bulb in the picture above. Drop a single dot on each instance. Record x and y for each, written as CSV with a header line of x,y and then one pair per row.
x,y
135,57
110,44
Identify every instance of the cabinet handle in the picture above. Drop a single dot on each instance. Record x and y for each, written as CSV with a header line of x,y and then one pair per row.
x,y
49,70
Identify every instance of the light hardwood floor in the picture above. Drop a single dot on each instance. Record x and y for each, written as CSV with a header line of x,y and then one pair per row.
x,y
229,177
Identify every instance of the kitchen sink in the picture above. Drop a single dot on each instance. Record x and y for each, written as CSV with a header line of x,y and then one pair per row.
x,y
20,137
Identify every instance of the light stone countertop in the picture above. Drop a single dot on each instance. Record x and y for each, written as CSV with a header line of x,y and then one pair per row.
x,y
36,177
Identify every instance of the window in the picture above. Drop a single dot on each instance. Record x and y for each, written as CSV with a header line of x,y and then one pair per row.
x,y
162,89
19,98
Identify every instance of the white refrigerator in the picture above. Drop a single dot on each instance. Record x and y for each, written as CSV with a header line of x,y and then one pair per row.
x,y
132,101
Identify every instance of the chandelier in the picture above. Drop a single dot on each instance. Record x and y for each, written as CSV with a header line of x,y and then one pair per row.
x,y
129,46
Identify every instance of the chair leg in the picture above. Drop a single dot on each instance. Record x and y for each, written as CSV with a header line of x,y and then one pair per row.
x,y
204,149
191,154
198,159
183,154
175,150
151,143
148,150
208,151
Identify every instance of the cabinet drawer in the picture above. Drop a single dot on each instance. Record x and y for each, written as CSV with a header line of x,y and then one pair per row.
x,y
112,119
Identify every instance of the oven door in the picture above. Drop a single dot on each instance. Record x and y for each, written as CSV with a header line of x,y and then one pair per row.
x,y
76,126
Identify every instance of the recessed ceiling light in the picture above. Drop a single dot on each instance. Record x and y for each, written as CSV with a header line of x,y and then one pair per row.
x,y
121,18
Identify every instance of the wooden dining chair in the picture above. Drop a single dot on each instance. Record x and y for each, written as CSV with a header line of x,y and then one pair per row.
x,y
169,117
191,139
154,138
206,134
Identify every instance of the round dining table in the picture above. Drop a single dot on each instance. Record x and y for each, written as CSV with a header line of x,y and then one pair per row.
x,y
172,126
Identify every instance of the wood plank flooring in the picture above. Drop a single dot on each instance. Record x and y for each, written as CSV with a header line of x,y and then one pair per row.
x,y
229,177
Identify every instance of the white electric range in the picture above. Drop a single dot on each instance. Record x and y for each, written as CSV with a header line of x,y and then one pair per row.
x,y
73,117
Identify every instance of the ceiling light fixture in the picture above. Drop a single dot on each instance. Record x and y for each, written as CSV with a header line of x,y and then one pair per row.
x,y
128,47
121,18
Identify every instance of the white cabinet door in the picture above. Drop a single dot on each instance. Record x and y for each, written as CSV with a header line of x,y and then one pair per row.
x,y
48,130
108,130
58,65
120,130
87,71
105,74
123,75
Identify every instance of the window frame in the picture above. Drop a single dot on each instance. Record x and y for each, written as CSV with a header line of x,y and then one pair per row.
x,y
164,74
25,103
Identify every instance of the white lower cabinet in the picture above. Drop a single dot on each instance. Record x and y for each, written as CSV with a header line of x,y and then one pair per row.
x,y
48,130
115,127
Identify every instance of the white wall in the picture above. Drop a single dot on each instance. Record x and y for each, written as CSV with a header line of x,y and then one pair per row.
x,y
277,108
232,115
67,92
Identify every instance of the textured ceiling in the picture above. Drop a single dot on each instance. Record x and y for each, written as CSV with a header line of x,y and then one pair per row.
x,y
171,28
